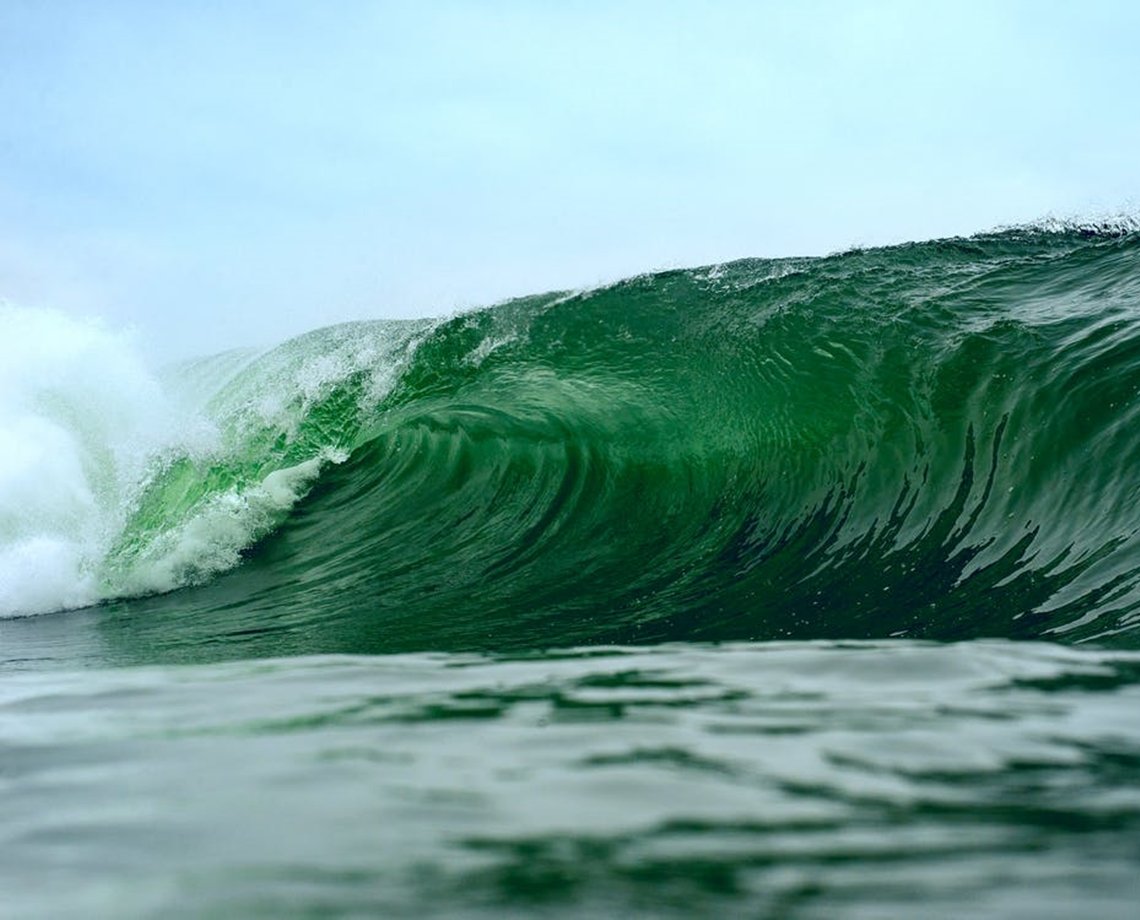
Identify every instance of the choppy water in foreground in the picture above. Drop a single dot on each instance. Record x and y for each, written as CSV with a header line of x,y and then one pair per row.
x,y
764,780
794,588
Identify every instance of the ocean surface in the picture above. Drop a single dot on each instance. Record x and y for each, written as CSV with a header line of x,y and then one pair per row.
x,y
777,588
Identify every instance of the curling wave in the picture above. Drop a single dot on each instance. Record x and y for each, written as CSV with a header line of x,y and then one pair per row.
x,y
936,440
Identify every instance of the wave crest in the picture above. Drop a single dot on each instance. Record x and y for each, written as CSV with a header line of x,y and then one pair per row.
x,y
935,440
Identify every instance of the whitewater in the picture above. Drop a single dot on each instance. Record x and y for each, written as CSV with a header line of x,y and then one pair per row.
x,y
793,588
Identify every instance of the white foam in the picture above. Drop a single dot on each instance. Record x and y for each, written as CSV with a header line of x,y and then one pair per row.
x,y
80,418
85,427
212,539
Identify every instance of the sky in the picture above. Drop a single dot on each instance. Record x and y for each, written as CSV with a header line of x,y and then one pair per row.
x,y
222,174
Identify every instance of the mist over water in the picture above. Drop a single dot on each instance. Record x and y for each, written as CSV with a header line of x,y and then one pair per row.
x,y
81,420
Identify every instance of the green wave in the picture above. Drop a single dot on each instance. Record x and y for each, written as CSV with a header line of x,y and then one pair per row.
x,y
936,440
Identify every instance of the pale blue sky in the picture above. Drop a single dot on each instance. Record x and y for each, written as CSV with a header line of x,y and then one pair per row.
x,y
226,173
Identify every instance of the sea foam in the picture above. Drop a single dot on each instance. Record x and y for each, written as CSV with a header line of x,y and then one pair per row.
x,y
81,417
87,428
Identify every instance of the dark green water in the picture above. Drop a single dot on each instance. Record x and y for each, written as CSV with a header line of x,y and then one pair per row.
x,y
799,588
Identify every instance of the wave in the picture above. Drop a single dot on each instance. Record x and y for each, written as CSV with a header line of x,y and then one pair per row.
x,y
935,440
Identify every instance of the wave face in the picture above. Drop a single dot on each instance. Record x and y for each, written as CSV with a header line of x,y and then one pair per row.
x,y
936,440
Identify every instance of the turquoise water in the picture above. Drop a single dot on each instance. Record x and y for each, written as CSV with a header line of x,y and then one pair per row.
x,y
789,588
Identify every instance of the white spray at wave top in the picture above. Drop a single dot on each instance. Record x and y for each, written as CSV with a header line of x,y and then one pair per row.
x,y
81,418
86,428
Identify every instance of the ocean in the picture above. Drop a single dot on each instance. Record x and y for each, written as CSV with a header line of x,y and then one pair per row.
x,y
779,588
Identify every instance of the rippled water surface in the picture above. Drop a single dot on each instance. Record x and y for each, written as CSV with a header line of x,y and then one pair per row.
x,y
782,780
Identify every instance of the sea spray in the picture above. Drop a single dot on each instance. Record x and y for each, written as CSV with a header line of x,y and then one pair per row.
x,y
91,437
81,419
